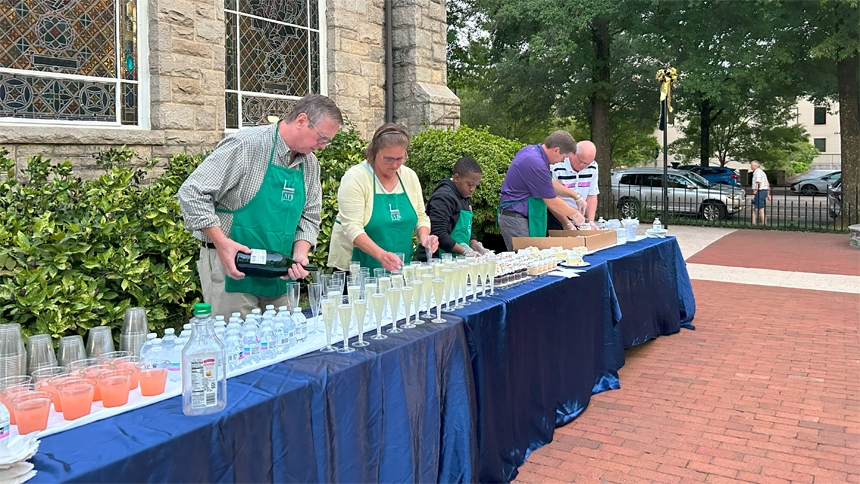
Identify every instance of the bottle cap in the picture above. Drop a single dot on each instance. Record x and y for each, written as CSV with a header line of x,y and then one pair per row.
x,y
169,331
151,336
282,308
201,309
270,306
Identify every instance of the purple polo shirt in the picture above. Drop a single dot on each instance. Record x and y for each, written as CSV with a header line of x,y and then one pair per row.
x,y
528,176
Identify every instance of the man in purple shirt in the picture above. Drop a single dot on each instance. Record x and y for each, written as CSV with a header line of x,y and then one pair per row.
x,y
528,192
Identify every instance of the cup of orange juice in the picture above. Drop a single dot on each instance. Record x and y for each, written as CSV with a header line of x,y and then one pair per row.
x,y
50,385
77,397
113,385
92,373
153,377
10,391
31,411
128,363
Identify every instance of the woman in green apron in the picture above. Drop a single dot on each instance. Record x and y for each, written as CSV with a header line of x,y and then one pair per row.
x,y
380,207
450,209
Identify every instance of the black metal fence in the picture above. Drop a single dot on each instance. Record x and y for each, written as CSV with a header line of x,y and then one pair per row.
x,y
824,212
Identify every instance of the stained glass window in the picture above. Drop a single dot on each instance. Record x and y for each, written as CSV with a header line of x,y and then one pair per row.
x,y
69,60
273,57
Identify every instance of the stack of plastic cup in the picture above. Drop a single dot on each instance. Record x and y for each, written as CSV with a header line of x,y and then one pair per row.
x,y
40,350
13,354
134,329
99,341
71,349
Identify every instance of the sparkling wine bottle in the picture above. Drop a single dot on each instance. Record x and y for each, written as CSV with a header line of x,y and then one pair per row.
x,y
263,263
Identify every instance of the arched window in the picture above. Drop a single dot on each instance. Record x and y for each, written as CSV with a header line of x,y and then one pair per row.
x,y
70,61
273,57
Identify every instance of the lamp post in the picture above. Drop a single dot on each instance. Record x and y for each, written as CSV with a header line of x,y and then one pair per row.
x,y
667,77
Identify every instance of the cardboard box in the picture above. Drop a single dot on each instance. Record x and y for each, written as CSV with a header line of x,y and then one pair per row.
x,y
568,239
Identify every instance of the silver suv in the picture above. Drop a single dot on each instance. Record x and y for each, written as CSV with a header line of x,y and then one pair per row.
x,y
639,188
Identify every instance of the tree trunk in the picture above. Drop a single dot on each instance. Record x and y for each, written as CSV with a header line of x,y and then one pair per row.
x,y
705,133
600,107
848,78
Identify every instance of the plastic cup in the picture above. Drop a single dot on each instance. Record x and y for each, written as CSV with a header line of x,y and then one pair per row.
x,y
114,355
93,372
134,321
99,341
52,384
31,411
71,349
129,363
11,391
77,397
114,387
40,350
153,377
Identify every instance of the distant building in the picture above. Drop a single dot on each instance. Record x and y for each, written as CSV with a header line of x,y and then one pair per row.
x,y
821,123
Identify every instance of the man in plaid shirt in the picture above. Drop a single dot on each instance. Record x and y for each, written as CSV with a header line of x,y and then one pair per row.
x,y
259,189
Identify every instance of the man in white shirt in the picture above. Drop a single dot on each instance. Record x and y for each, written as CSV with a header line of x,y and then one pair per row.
x,y
575,181
761,192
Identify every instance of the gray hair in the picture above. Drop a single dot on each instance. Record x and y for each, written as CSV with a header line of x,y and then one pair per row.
x,y
754,164
317,108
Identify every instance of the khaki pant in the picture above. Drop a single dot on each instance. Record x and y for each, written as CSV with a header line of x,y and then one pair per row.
x,y
225,303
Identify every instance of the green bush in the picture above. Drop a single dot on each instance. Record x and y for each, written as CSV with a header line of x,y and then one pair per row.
x,y
432,154
75,254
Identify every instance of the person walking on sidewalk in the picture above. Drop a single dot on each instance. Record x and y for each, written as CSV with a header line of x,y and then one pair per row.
x,y
761,192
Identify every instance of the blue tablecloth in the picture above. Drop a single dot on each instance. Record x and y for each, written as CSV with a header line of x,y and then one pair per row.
x,y
541,349
401,410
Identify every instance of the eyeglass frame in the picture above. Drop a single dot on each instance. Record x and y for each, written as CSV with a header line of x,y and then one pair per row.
x,y
323,140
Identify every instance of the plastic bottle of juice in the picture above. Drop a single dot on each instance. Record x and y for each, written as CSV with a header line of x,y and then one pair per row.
x,y
204,367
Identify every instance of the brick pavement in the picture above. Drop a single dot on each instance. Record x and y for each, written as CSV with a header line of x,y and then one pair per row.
x,y
784,251
764,391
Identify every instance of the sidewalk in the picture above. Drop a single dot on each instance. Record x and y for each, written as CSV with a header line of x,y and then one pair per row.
x,y
767,389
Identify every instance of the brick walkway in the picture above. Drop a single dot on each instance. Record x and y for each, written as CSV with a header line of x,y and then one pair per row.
x,y
767,389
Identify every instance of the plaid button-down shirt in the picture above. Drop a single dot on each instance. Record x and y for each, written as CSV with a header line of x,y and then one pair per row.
x,y
231,175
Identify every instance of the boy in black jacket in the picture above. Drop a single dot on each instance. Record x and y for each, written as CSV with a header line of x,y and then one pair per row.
x,y
450,209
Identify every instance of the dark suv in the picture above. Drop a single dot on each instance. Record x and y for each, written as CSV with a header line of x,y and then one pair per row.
x,y
715,174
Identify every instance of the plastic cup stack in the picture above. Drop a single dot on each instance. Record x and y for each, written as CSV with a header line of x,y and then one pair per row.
x,y
13,354
40,350
134,329
71,349
99,341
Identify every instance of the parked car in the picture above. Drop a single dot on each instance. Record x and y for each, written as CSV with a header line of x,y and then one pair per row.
x,y
815,184
688,193
834,199
715,174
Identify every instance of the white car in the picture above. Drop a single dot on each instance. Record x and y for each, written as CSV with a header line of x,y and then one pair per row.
x,y
639,188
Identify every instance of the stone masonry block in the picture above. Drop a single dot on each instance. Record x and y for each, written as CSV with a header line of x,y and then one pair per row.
x,y
195,49
172,117
211,31
178,12
160,37
356,6
346,63
206,10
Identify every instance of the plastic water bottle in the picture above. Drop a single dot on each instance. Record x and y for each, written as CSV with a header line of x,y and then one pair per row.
x,y
236,315
4,427
268,345
204,367
270,311
156,352
250,344
147,344
168,342
233,346
256,314
301,323
283,342
657,224
601,224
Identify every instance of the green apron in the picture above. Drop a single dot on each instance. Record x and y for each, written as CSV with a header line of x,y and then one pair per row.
x,y
462,232
269,222
391,224
537,215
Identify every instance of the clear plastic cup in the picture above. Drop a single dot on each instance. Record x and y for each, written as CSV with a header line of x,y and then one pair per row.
x,y
128,363
113,355
51,385
153,377
92,372
11,391
114,385
32,410
77,397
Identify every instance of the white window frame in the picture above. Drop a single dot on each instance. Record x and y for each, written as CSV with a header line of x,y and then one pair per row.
x,y
323,71
143,82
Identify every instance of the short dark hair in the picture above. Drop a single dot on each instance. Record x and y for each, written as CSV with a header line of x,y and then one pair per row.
x,y
316,107
389,134
562,140
466,166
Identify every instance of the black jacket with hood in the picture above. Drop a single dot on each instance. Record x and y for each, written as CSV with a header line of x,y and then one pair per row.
x,y
443,208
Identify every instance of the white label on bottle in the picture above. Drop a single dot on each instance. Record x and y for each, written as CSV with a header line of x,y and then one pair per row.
x,y
283,341
204,383
258,256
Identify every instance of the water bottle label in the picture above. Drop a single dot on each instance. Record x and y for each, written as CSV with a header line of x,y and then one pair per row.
x,y
204,383
241,355
291,334
284,341
264,346
255,350
173,366
4,429
246,352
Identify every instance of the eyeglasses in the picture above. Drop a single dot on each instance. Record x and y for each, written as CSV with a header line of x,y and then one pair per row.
x,y
323,140
390,160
